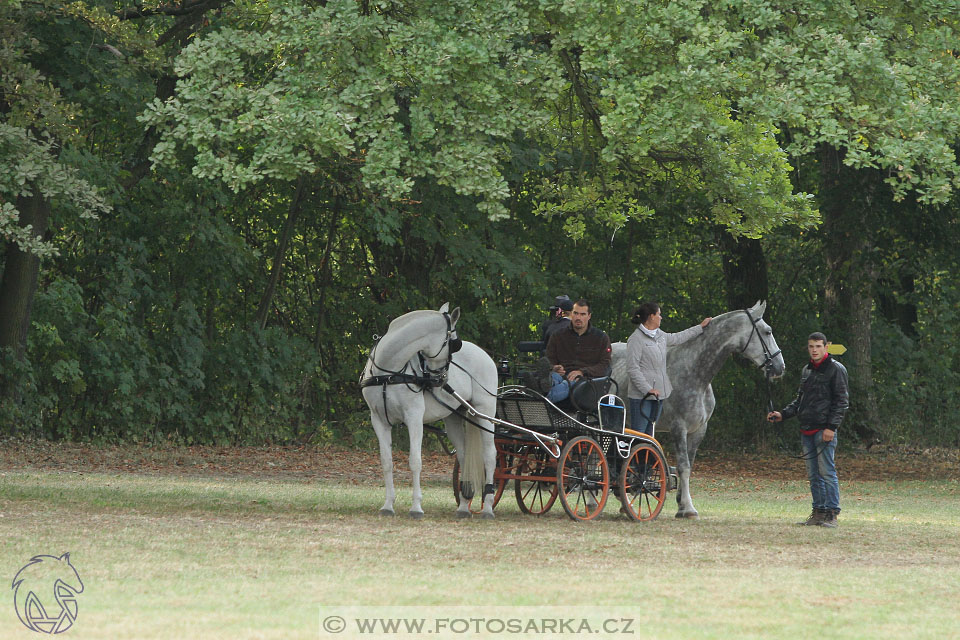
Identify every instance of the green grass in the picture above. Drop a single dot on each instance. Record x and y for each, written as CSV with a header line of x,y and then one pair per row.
x,y
172,557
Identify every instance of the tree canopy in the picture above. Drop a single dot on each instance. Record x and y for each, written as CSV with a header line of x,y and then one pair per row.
x,y
213,205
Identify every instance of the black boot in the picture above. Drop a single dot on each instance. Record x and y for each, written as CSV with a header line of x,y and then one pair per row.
x,y
543,372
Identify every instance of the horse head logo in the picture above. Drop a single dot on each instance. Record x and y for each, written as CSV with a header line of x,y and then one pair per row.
x,y
45,593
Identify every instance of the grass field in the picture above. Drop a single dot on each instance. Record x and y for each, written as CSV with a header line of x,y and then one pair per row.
x,y
245,555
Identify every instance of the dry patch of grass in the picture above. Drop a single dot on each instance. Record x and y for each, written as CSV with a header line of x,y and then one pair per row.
x,y
248,557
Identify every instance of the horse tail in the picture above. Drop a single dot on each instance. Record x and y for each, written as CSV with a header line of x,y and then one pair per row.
x,y
473,459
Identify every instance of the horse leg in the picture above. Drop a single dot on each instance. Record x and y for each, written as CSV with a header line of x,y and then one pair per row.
x,y
455,431
686,449
416,465
385,438
489,467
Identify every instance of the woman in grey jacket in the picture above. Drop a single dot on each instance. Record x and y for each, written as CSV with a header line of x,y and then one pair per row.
x,y
647,364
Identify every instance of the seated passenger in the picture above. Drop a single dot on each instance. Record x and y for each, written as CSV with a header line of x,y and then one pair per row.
x,y
578,351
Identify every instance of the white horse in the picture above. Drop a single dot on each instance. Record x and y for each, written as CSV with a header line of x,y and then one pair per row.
x,y
691,366
404,381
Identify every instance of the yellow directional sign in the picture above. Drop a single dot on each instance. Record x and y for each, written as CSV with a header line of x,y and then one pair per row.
x,y
836,349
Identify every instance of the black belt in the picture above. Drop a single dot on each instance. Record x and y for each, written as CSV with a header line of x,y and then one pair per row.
x,y
402,378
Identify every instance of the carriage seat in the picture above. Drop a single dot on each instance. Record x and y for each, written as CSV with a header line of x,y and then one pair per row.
x,y
585,393
531,346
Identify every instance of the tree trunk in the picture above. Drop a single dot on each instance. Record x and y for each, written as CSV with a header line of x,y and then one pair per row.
x,y
20,273
902,314
744,271
626,278
276,267
848,201
324,277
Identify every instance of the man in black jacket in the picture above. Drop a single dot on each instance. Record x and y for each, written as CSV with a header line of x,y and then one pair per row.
x,y
820,405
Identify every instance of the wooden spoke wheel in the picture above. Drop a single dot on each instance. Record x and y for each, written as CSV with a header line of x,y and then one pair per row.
x,y
583,478
535,485
476,506
643,482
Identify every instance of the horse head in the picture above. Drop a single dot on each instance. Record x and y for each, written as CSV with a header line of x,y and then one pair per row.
x,y
760,347
454,343
439,340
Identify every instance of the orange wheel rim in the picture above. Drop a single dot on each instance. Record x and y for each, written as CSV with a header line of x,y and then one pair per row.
x,y
586,480
645,484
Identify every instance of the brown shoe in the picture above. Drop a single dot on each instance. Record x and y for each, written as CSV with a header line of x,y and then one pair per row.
x,y
831,519
815,519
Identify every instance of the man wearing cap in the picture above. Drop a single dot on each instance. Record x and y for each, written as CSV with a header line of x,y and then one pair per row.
x,y
559,319
578,351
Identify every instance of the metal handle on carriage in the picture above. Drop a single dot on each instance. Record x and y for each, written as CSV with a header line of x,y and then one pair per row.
x,y
549,443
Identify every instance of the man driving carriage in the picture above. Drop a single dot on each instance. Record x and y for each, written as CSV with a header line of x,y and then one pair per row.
x,y
578,351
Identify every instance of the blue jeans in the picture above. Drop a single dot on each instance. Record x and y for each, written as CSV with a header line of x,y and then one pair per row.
x,y
821,470
560,389
643,413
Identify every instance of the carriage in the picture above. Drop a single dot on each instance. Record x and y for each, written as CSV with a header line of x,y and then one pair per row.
x,y
578,451
420,372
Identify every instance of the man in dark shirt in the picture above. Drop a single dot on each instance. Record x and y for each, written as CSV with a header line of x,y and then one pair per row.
x,y
821,402
578,351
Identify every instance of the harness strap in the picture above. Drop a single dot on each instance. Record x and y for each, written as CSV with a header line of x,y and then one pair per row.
x,y
402,378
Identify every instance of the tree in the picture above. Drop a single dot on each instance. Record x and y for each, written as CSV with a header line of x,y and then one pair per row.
x,y
39,187
870,90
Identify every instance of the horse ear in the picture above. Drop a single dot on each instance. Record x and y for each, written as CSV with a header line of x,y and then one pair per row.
x,y
445,308
454,316
760,307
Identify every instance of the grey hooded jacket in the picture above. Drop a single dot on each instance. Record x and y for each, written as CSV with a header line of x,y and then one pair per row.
x,y
647,360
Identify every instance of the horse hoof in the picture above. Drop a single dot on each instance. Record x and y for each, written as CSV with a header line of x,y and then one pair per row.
x,y
689,515
386,512
416,515
487,516
464,514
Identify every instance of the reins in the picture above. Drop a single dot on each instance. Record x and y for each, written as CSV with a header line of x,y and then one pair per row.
x,y
765,365
770,406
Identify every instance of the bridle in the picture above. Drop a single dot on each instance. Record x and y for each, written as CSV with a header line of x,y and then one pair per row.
x,y
428,377
769,355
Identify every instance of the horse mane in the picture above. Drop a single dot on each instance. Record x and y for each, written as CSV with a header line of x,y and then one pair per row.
x,y
399,323
396,337
724,317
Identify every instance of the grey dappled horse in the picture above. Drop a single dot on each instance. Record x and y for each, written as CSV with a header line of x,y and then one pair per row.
x,y
404,381
691,366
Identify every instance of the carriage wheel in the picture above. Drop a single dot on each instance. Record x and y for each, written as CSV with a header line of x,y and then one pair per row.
x,y
643,482
502,461
535,497
583,477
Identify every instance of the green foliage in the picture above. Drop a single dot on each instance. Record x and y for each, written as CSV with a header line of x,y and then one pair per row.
x,y
425,92
877,81
492,155
36,169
